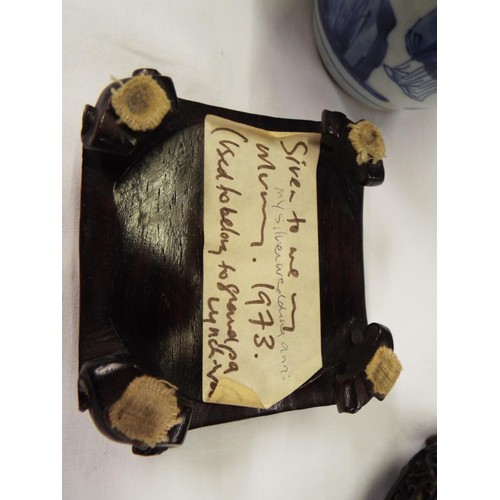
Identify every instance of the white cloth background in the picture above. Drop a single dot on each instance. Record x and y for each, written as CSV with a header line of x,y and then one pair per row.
x,y
260,57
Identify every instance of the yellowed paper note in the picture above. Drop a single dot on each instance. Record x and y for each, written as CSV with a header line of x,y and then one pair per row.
x,y
261,303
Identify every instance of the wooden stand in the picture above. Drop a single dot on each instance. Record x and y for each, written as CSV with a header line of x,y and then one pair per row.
x,y
133,306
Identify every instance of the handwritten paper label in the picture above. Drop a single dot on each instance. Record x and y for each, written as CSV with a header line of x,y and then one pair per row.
x,y
261,303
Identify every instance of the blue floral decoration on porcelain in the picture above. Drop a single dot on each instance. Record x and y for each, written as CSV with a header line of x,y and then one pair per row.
x,y
417,77
357,33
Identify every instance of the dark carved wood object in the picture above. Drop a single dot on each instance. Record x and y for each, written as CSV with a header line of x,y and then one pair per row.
x,y
132,306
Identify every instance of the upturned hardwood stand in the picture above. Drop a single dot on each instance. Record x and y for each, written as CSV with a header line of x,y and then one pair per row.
x,y
141,266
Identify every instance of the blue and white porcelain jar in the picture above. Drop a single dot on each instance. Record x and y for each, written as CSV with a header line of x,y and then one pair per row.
x,y
382,52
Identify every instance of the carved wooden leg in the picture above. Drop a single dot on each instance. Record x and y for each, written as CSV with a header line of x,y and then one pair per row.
x,y
373,370
130,406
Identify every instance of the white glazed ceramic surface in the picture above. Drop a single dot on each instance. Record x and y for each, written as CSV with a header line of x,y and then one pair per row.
x,y
381,52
